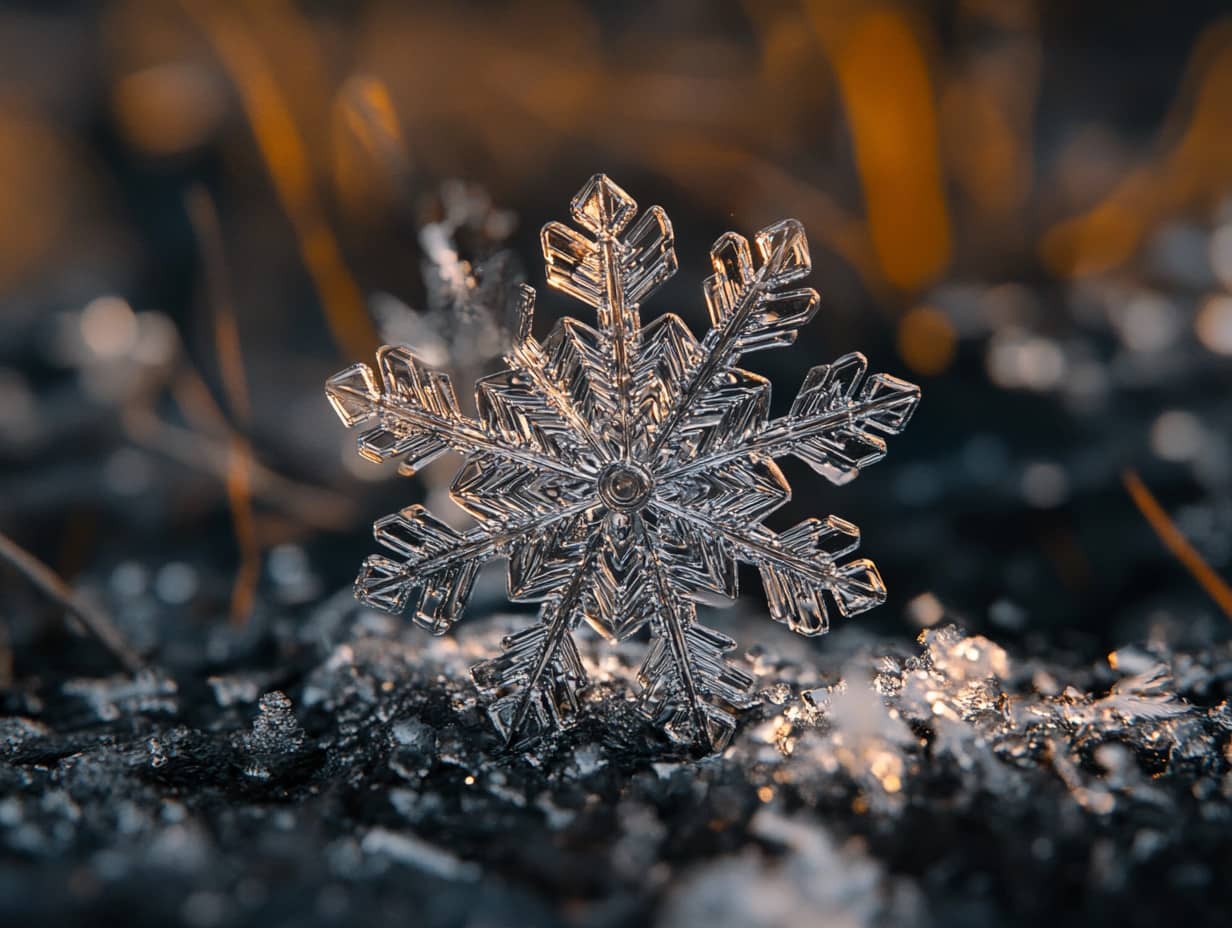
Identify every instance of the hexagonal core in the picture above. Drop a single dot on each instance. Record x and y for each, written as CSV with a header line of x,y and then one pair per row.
x,y
625,486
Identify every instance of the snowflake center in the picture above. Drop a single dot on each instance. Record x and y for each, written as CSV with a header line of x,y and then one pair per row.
x,y
625,486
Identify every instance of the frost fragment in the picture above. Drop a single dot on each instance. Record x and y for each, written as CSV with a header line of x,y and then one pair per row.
x,y
276,735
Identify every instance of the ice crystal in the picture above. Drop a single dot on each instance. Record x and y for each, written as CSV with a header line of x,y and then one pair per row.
x,y
469,274
624,470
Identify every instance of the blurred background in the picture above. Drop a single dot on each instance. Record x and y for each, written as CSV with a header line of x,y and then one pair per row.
x,y
209,207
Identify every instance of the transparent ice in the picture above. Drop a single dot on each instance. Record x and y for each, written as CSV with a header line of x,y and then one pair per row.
x,y
623,470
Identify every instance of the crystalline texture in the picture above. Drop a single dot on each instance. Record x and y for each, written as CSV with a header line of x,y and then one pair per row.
x,y
624,470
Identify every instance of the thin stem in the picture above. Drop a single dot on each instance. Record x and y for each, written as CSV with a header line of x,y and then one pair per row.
x,y
204,217
284,150
319,508
1215,586
754,543
615,300
463,436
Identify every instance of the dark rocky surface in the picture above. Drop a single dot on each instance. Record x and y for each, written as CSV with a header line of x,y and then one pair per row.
x,y
356,780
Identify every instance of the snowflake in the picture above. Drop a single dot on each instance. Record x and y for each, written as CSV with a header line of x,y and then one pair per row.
x,y
624,470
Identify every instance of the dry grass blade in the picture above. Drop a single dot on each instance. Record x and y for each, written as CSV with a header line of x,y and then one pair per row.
x,y
50,585
1214,585
235,384
204,216
310,505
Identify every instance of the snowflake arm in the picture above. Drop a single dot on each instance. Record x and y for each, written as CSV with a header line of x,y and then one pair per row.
x,y
527,357
540,671
748,311
417,415
805,585
701,711
436,566
686,684
836,424
613,275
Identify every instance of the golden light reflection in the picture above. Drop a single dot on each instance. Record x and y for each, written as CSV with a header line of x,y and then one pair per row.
x,y
1213,324
109,327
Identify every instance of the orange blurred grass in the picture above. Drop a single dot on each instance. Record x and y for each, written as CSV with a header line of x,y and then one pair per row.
x,y
370,167
1193,167
942,147
286,157
235,385
707,133
988,91
890,103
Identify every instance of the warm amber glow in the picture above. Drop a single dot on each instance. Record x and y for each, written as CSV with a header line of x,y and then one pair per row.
x,y
1213,324
167,108
37,183
985,153
926,340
